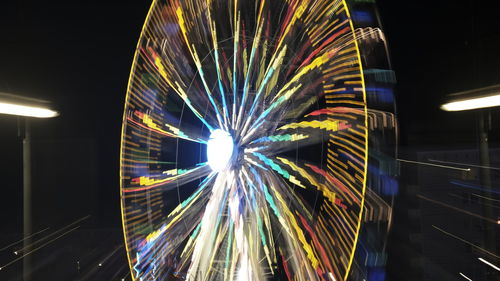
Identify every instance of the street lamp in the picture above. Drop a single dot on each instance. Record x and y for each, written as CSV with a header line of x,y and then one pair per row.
x,y
477,99
473,99
26,108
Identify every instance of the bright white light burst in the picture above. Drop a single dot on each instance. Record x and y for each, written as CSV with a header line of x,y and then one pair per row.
x,y
219,149
23,110
473,103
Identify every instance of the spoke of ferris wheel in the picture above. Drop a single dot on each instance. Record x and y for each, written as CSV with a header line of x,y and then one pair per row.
x,y
157,64
217,113
255,45
235,52
284,95
261,119
225,112
217,66
270,71
210,221
196,59
169,179
148,124
276,59
256,195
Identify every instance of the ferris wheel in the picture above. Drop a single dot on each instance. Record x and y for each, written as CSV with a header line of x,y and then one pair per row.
x,y
247,139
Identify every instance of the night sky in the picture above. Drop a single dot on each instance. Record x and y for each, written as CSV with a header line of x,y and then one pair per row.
x,y
446,47
78,54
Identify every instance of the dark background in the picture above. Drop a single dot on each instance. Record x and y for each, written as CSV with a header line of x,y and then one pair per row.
x,y
78,54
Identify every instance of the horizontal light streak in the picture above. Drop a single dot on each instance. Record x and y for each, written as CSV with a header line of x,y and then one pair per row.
x,y
473,103
26,110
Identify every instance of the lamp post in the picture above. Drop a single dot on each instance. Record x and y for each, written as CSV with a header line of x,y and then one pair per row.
x,y
480,99
26,108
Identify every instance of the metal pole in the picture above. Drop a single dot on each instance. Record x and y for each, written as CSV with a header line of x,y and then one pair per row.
x,y
27,199
484,157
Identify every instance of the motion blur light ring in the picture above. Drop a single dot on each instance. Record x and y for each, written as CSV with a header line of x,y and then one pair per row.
x,y
284,122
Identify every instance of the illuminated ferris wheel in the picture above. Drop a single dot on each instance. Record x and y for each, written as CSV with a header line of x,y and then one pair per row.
x,y
246,141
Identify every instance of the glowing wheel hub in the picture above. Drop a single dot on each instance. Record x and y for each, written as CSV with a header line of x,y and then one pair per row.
x,y
220,148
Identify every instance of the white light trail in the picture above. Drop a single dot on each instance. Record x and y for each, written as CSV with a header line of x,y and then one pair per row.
x,y
473,103
29,111
464,276
489,263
